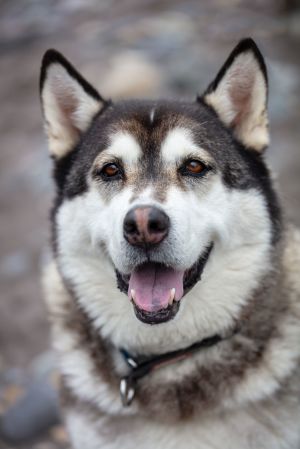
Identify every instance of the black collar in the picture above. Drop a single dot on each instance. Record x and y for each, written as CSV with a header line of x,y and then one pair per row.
x,y
142,367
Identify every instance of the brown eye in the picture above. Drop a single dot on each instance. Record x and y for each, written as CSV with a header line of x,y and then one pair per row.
x,y
194,167
111,171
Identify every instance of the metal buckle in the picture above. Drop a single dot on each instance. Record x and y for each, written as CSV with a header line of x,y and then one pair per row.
x,y
127,391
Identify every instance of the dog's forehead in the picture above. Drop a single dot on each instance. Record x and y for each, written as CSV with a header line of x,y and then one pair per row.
x,y
175,145
154,131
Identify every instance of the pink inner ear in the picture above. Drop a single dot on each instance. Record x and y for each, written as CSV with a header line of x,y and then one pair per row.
x,y
67,101
240,91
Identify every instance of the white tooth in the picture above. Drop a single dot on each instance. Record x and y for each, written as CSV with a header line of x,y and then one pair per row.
x,y
172,296
132,292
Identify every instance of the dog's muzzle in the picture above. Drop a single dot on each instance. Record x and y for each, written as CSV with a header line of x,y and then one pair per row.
x,y
156,290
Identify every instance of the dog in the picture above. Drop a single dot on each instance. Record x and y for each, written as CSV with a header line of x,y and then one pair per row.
x,y
174,291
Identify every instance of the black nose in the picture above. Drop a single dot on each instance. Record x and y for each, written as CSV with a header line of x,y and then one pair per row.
x,y
146,226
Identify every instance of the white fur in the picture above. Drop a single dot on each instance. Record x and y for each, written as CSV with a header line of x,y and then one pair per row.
x,y
240,100
68,109
179,144
251,428
123,145
236,221
152,113
238,224
248,423
90,245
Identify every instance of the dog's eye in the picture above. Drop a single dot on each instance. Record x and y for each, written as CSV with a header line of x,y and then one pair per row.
x,y
111,171
193,167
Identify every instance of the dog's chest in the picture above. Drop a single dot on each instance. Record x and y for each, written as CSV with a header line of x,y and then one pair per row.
x,y
243,430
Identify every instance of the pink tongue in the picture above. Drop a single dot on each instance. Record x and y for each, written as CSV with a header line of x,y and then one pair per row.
x,y
152,284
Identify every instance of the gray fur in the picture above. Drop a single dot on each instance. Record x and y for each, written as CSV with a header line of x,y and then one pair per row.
x,y
243,393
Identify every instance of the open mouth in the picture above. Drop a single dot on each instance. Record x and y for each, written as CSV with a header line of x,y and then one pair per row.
x,y
156,290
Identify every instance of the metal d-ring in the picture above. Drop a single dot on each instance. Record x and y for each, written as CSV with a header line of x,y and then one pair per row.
x,y
127,391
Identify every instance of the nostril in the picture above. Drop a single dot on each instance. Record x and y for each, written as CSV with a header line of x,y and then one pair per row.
x,y
156,226
130,226
158,221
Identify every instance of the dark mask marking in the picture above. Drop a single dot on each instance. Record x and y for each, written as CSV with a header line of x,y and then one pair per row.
x,y
240,168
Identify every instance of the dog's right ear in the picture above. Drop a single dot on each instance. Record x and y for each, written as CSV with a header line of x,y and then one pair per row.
x,y
69,103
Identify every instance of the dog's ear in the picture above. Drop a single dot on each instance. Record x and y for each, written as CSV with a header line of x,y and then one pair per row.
x,y
239,95
69,103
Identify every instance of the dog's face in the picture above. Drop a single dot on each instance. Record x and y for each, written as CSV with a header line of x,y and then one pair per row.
x,y
168,203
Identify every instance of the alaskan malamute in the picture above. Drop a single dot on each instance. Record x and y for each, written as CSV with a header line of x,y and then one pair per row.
x,y
174,293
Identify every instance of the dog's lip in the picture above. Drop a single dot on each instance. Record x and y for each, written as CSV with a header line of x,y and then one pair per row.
x,y
159,316
125,278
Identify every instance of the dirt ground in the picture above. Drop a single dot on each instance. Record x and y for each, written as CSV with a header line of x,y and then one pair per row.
x,y
126,48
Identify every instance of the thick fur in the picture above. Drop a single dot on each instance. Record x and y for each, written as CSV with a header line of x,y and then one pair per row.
x,y
243,393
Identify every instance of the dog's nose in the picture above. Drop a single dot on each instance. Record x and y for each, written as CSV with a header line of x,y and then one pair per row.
x,y
146,226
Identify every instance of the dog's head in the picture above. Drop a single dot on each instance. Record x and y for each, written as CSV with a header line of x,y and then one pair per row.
x,y
168,202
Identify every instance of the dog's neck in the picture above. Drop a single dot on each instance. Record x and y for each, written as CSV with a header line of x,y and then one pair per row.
x,y
207,375
143,366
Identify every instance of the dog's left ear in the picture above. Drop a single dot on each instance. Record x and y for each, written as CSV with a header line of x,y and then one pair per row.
x,y
69,103
239,95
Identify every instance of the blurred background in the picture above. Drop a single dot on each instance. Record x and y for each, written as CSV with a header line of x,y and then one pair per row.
x,y
126,48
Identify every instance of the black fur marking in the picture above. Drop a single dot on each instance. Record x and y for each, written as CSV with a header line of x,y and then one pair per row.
x,y
193,275
54,57
122,284
260,172
240,168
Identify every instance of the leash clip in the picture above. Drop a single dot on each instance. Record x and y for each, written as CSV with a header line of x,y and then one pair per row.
x,y
127,391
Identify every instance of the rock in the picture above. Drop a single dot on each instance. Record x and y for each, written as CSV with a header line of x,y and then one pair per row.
x,y
34,414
